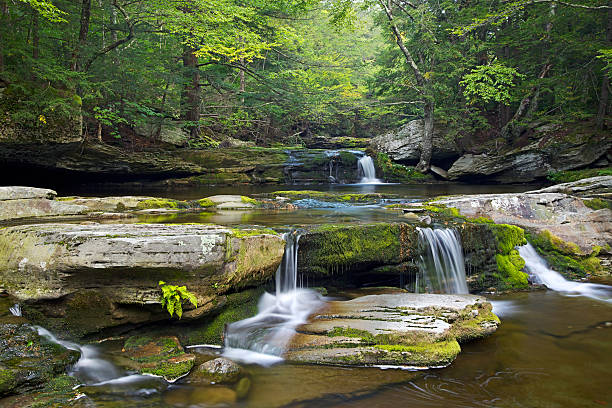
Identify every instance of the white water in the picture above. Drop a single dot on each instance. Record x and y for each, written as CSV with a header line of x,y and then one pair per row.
x,y
537,267
263,338
15,309
91,367
442,263
365,166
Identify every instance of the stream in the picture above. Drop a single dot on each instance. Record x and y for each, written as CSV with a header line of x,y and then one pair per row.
x,y
552,349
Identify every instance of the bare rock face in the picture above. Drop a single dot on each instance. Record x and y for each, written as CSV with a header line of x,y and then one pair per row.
x,y
19,193
400,329
593,187
96,276
533,161
404,144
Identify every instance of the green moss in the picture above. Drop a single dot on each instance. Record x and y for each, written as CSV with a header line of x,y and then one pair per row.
x,y
238,306
332,248
154,203
242,233
7,381
394,172
566,257
575,175
597,204
170,370
248,200
205,203
509,271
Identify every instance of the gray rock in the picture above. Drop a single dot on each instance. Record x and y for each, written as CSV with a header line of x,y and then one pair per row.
x,y
590,187
107,275
531,162
18,192
402,329
107,203
404,144
37,207
220,370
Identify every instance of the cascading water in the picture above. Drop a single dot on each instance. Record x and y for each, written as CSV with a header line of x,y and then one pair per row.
x,y
536,266
365,166
442,264
262,339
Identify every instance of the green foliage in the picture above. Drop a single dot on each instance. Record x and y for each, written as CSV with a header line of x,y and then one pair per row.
x,y
598,204
575,175
490,83
172,298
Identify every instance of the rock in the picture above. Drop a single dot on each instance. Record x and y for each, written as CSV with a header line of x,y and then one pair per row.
x,y
548,152
37,207
18,193
401,329
592,187
220,370
28,360
91,277
565,216
404,145
243,387
162,356
109,204
212,396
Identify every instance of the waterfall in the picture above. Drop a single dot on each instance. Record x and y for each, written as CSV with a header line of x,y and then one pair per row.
x,y
365,166
442,264
16,310
262,338
537,267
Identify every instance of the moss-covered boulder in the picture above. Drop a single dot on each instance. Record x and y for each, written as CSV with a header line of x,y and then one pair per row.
x,y
161,356
394,329
27,360
85,278
218,371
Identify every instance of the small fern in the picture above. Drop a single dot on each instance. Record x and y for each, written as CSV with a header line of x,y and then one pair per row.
x,y
172,298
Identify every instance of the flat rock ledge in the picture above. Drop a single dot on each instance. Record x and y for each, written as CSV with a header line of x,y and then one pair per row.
x,y
399,330
24,202
96,276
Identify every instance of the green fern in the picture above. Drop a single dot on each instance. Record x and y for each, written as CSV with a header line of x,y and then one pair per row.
x,y
172,298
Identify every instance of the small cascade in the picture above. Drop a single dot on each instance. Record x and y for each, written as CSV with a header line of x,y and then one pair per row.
x,y
365,167
262,338
15,310
537,267
91,368
442,265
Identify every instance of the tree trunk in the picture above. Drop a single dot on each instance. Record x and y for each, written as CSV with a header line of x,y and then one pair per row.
x,y
84,30
192,91
529,103
427,141
428,118
113,32
605,82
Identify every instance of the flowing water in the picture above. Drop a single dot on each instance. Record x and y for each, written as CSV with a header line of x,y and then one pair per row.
x,y
442,265
537,267
365,166
262,338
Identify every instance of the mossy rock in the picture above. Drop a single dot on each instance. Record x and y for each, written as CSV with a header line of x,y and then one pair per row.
x,y
566,257
28,361
161,356
219,371
330,249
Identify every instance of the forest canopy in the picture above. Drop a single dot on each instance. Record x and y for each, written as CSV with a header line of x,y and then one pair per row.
x,y
277,71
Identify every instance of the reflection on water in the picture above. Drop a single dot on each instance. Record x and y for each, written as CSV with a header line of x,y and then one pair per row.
x,y
550,351
197,192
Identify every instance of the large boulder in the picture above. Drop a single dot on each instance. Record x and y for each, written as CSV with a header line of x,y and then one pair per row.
x,y
404,145
552,150
592,187
400,329
91,277
21,193
37,207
